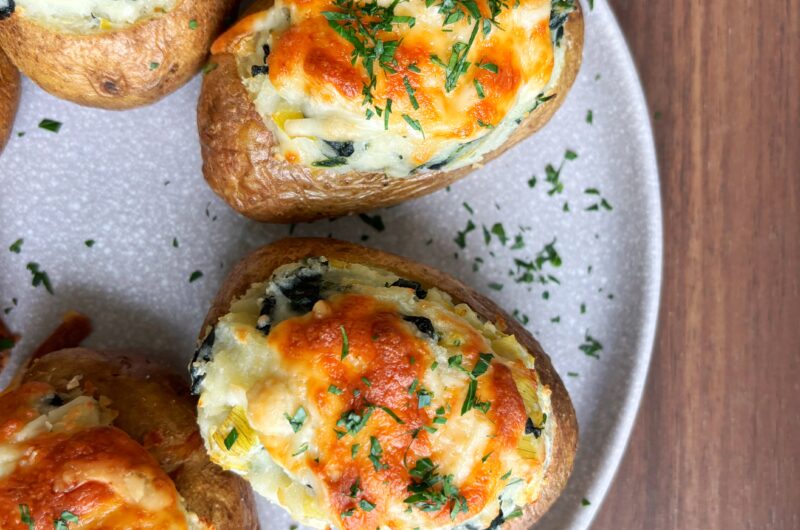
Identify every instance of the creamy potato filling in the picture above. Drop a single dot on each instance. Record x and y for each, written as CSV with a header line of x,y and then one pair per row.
x,y
85,16
420,114
332,379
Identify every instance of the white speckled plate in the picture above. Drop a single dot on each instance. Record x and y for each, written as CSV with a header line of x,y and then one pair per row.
x,y
131,182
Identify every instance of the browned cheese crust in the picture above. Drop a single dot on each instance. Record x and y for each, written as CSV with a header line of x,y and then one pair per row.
x,y
115,69
259,265
9,97
156,411
237,164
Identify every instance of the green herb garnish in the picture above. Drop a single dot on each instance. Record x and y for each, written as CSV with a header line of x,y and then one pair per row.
x,y
375,453
40,277
298,419
231,438
50,125
345,343
411,92
591,346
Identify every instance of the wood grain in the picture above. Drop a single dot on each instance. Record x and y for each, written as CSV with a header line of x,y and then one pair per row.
x,y
717,441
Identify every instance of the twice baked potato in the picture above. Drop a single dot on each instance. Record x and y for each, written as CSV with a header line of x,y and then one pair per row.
x,y
360,390
113,54
331,107
100,441
9,97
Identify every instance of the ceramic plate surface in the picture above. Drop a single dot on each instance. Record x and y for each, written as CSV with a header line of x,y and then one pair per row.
x,y
131,184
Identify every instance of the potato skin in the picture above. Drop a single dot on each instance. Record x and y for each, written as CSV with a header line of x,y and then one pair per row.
x,y
236,147
112,69
155,409
9,97
259,265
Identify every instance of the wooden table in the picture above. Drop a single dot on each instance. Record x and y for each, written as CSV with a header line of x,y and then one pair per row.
x,y
717,441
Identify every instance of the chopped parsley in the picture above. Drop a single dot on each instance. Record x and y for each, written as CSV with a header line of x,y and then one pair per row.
x,y
375,221
354,450
40,277
16,246
601,202
50,125
231,438
333,389
491,67
196,275
430,492
298,419
423,398
479,88
365,25
591,346
345,343
461,237
585,502
365,505
154,65
375,453
414,124
411,92
352,422
302,449
391,413
25,516
89,243
193,24
589,117
533,271
63,521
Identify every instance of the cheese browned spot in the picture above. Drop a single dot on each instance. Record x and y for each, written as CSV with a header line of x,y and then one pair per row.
x,y
406,111
62,455
364,406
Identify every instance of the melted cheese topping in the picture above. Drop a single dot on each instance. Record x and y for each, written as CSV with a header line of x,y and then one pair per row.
x,y
332,388
309,84
86,16
60,457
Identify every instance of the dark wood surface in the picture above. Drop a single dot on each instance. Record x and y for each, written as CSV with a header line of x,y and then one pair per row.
x,y
717,441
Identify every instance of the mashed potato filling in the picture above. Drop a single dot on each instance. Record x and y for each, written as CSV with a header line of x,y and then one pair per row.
x,y
359,400
85,16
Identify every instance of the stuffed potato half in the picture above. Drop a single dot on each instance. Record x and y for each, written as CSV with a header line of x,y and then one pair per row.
x,y
97,441
330,107
9,97
113,54
360,390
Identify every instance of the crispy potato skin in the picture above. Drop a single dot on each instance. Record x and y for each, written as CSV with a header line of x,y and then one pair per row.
x,y
155,410
237,164
259,265
112,69
9,97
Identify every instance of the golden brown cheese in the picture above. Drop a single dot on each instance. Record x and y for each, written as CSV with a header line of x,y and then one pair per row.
x,y
383,362
96,473
318,84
